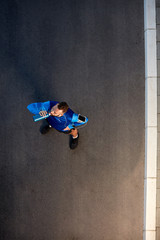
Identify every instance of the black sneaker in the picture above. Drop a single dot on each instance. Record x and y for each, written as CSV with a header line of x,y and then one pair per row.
x,y
45,129
73,142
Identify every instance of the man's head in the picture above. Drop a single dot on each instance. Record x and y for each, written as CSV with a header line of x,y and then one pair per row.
x,y
59,109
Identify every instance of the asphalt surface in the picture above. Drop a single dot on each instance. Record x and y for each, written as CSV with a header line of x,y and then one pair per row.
x,y
91,55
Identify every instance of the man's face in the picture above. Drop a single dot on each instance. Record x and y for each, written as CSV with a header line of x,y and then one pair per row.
x,y
56,112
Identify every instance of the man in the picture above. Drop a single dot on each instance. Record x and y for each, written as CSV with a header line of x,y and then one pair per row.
x,y
62,118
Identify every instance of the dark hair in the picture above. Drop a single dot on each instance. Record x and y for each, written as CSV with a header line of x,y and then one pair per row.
x,y
63,106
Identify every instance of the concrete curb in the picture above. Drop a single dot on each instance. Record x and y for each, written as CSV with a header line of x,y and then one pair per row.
x,y
150,178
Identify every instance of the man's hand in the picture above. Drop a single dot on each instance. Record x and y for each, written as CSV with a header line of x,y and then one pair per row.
x,y
43,113
66,129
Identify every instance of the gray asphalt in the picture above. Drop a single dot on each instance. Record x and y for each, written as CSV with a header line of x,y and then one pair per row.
x,y
89,53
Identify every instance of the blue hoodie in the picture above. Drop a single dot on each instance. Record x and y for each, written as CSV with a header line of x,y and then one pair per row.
x,y
69,119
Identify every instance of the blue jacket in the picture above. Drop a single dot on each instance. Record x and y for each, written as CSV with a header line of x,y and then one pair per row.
x,y
69,119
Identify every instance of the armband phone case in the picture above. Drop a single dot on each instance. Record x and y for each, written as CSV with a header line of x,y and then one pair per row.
x,y
81,118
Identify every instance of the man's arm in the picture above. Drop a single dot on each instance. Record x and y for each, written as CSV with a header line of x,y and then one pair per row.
x,y
76,122
35,108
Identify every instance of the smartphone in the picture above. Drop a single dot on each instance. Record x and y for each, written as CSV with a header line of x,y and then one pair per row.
x,y
81,118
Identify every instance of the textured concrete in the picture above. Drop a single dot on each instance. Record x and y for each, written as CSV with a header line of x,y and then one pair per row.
x,y
157,15
158,178
158,68
158,165
158,234
158,50
157,3
158,122
158,86
90,54
158,197
158,111
158,140
158,104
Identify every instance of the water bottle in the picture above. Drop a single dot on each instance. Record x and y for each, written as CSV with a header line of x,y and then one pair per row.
x,y
38,117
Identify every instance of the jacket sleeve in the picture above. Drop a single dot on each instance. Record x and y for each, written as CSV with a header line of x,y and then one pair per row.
x,y
75,121
35,108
